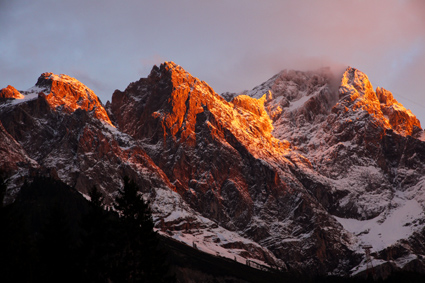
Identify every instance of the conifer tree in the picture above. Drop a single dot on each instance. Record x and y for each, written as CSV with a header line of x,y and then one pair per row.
x,y
140,258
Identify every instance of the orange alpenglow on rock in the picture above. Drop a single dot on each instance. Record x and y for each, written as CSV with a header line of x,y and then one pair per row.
x,y
10,92
245,116
69,93
401,119
171,105
357,91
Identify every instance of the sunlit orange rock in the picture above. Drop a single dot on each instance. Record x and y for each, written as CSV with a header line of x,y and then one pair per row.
x,y
175,133
171,100
356,87
10,92
356,93
213,151
401,119
69,94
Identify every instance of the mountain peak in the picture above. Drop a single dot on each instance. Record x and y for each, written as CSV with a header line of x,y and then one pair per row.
x,y
357,84
356,93
292,174
173,104
170,65
167,67
70,94
10,92
401,119
357,90
45,79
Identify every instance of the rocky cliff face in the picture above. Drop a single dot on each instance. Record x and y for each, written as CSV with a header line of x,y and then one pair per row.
x,y
366,159
11,93
299,172
62,126
68,94
225,163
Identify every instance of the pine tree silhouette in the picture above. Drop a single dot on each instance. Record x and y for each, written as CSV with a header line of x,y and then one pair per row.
x,y
139,259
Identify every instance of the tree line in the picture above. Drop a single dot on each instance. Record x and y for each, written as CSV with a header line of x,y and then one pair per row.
x,y
52,234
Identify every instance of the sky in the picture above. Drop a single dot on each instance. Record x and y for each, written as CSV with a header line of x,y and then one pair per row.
x,y
233,45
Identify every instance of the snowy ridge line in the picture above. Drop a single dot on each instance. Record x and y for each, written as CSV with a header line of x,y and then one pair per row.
x,y
28,95
169,209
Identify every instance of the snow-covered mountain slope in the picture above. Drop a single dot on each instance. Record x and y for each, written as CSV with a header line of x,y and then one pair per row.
x,y
225,163
366,153
299,172
84,150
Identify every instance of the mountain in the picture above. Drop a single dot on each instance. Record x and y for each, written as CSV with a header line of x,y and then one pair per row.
x,y
10,92
298,174
62,126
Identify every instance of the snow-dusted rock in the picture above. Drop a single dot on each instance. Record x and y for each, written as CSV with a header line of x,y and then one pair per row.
x,y
298,173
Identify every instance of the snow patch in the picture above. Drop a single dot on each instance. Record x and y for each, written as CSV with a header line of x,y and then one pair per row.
x,y
30,94
422,137
297,104
389,227
363,265
201,233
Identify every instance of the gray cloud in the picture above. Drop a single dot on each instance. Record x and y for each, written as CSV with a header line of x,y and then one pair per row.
x,y
233,45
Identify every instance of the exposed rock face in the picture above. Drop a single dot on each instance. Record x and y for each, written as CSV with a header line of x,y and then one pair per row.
x,y
70,137
296,173
357,93
225,163
14,159
10,92
297,101
367,163
82,150
12,154
69,94
401,120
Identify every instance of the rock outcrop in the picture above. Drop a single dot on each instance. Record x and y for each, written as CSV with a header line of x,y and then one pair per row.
x,y
401,119
64,128
68,94
10,92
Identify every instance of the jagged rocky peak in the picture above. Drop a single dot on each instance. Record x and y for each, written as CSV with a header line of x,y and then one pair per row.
x,y
293,84
10,92
385,97
165,103
297,100
255,106
171,103
356,93
356,84
401,119
67,93
306,94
